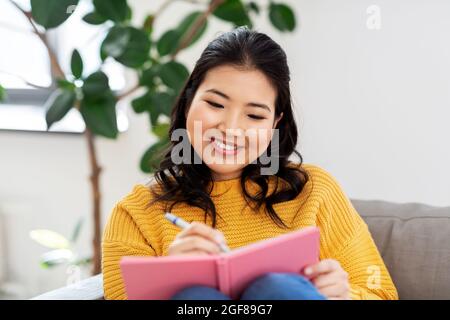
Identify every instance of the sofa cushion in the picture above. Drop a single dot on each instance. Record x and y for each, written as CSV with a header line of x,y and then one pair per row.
x,y
414,240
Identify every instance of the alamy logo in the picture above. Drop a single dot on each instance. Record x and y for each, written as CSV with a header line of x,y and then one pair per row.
x,y
374,279
251,144
71,9
373,21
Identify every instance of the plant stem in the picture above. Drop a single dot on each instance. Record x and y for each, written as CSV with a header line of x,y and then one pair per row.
x,y
56,68
23,79
95,188
95,169
128,92
162,8
198,23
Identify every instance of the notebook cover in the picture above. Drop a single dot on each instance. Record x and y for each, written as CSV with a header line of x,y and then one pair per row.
x,y
161,277
290,253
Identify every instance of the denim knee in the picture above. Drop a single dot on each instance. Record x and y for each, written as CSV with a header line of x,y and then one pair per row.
x,y
199,293
281,286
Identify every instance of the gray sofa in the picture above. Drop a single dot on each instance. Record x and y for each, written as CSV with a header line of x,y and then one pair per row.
x,y
414,240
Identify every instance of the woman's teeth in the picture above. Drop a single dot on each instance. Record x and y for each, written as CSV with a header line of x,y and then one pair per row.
x,y
225,146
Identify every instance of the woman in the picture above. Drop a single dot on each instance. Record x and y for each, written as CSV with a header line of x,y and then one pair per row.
x,y
232,179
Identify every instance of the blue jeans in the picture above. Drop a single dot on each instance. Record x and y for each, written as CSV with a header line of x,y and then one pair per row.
x,y
272,286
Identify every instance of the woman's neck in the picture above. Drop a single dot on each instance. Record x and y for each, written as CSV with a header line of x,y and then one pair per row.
x,y
226,176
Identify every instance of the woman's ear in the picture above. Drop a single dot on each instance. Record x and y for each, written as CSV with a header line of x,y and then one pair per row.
x,y
277,120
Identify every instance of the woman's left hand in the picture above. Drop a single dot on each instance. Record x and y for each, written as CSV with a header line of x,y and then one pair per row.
x,y
330,279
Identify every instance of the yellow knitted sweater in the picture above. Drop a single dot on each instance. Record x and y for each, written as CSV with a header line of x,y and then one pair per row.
x,y
135,230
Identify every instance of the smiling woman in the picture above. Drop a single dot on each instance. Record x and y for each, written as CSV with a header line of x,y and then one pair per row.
x,y
237,75
239,96
220,104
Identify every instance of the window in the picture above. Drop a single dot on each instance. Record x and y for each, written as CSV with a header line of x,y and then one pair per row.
x,y
25,59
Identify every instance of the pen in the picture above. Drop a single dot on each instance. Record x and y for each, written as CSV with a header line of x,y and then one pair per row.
x,y
183,225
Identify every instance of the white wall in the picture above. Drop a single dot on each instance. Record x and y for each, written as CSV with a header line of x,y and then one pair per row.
x,y
375,104
371,106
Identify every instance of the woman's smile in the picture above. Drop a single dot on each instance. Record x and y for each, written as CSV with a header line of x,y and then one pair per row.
x,y
225,148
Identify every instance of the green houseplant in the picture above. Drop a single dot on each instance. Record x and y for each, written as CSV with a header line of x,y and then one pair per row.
x,y
154,61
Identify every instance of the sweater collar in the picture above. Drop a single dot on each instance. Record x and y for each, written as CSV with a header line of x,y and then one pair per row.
x,y
221,187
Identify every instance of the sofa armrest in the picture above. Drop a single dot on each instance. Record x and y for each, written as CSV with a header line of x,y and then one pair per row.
x,y
88,289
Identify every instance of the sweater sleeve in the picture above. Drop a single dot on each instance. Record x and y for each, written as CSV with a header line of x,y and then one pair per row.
x,y
345,237
121,238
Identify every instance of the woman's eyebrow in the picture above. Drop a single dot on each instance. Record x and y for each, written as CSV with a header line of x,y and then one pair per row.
x,y
223,95
250,104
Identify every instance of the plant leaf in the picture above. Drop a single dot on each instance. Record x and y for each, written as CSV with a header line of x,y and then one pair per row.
x,y
50,239
153,156
76,64
77,230
2,93
96,84
129,13
161,130
83,261
100,116
116,10
116,42
65,84
142,104
282,17
148,24
187,23
252,6
137,50
94,18
170,40
149,75
52,13
174,75
233,11
56,257
155,103
58,105
98,106
161,103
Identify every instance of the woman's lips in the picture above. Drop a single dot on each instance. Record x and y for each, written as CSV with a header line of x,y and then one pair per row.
x,y
225,148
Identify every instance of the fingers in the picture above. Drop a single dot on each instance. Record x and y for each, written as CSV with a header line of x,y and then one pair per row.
x,y
198,237
324,266
337,291
195,243
201,229
194,252
331,278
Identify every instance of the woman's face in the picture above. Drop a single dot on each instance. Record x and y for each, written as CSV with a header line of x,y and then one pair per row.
x,y
231,118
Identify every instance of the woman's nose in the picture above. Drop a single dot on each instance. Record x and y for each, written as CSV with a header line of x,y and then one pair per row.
x,y
232,125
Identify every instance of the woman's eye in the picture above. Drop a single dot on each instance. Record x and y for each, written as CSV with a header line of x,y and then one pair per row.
x,y
255,117
215,105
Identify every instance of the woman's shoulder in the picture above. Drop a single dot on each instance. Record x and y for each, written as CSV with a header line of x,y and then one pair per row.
x,y
320,181
141,196
314,171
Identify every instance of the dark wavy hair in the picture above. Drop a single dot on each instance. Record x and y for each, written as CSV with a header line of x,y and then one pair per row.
x,y
188,183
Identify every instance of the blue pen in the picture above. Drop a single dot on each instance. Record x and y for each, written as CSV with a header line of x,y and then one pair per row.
x,y
184,224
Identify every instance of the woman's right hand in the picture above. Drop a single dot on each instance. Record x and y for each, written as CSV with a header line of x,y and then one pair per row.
x,y
197,239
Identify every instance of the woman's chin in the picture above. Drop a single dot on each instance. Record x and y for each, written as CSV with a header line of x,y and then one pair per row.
x,y
225,171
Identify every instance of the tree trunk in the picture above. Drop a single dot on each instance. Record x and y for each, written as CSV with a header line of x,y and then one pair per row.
x,y
95,186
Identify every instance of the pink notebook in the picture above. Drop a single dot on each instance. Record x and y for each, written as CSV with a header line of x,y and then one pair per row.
x,y
161,277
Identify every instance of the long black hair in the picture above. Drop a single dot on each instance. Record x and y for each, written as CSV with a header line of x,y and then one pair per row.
x,y
191,183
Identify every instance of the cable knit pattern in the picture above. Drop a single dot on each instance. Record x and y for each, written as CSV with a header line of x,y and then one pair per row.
x,y
134,229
